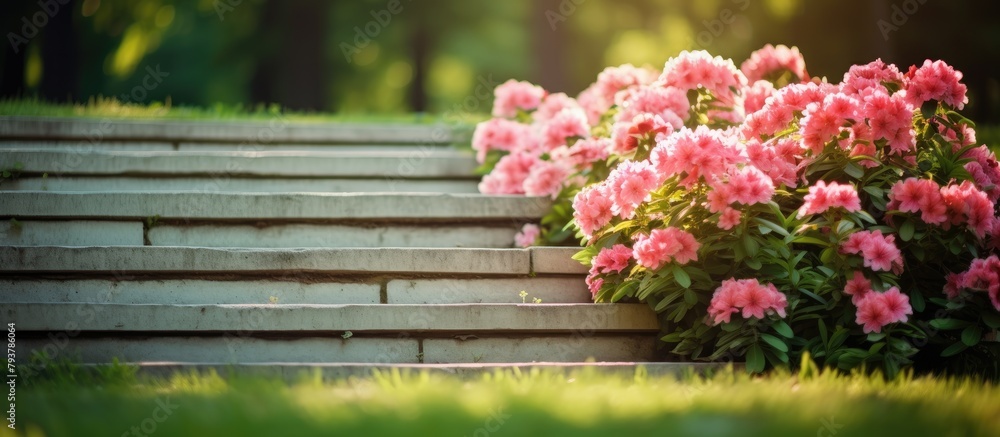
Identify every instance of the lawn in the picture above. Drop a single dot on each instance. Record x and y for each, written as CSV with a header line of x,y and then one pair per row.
x,y
509,403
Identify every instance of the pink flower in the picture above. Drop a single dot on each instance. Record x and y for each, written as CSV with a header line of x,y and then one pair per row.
x,y
748,295
663,246
778,159
509,174
858,287
756,95
511,96
584,153
823,197
699,153
528,235
872,314
747,186
730,217
592,209
779,109
698,69
876,310
546,178
871,76
670,104
919,195
878,252
553,104
983,275
599,97
967,204
627,135
594,284
498,134
612,259
630,184
770,62
935,81
891,118
568,123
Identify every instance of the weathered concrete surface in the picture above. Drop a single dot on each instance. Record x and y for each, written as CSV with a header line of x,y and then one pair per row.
x,y
223,184
224,349
268,206
499,290
70,233
556,260
187,291
570,348
584,319
434,164
299,235
274,130
194,259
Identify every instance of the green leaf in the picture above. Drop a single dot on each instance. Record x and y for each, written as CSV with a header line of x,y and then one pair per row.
x,y
775,342
971,335
753,263
783,329
954,349
854,170
917,300
874,191
755,359
690,297
811,240
681,276
666,301
948,324
876,337
906,230
992,320
751,246
772,226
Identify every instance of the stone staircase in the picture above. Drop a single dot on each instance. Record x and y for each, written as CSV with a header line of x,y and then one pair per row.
x,y
278,246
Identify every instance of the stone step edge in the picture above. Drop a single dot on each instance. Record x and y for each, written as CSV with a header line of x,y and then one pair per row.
x,y
273,130
291,372
264,206
181,260
300,318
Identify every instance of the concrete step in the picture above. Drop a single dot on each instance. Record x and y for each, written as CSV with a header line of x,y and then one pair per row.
x,y
86,146
274,165
262,319
273,130
335,349
225,184
296,372
261,235
256,207
293,289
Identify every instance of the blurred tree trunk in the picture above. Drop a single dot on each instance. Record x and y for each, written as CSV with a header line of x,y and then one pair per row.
x,y
550,25
420,46
293,75
60,74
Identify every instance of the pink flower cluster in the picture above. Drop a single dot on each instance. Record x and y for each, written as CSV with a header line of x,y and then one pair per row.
x,y
983,275
953,204
499,134
528,235
871,76
935,81
664,246
878,251
699,153
509,174
629,185
748,296
592,209
670,104
747,186
823,197
771,61
876,310
568,123
699,69
599,97
627,136
511,96
545,178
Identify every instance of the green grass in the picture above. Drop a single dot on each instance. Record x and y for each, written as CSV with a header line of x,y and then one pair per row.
x,y
511,404
97,107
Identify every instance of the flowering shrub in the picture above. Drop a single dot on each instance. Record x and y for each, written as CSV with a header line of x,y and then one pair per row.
x,y
764,214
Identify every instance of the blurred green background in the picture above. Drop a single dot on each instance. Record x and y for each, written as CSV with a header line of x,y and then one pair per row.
x,y
399,56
